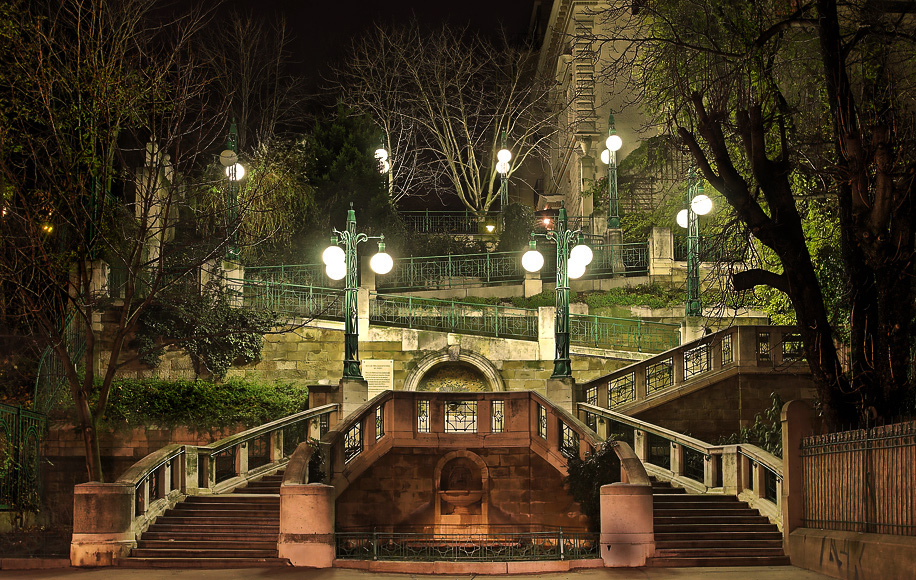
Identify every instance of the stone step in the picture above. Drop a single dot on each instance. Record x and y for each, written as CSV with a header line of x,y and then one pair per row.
x,y
713,527
208,512
692,511
688,498
738,535
718,542
216,535
202,563
228,519
233,498
710,519
717,552
717,561
215,528
242,543
227,552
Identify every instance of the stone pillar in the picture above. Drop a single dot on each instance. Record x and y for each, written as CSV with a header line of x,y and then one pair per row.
x,y
307,525
562,392
353,394
547,317
627,532
796,424
731,470
661,252
692,328
102,523
614,240
233,280
533,285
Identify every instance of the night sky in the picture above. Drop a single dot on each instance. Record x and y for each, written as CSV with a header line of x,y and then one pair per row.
x,y
324,28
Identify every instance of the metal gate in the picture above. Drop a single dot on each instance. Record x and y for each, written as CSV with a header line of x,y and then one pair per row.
x,y
21,433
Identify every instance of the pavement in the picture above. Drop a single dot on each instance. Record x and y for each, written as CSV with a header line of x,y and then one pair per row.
x,y
743,573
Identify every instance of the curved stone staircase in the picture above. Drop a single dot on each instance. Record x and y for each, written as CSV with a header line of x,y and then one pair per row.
x,y
233,530
711,530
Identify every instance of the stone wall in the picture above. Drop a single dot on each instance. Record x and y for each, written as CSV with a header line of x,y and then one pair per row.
x,y
398,490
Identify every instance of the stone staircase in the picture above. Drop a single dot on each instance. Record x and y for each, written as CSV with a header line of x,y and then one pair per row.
x,y
233,530
711,530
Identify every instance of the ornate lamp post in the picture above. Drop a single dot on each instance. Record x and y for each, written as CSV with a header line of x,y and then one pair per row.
x,y
697,204
504,156
609,157
570,264
343,263
235,171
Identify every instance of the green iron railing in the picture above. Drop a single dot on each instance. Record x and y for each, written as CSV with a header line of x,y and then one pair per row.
x,y
448,316
21,433
491,547
453,271
450,222
712,248
292,300
622,333
300,274
52,376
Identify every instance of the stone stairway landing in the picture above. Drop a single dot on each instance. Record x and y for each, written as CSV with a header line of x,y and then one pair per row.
x,y
711,530
234,530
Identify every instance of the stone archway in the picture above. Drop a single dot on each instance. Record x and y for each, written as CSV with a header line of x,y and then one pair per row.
x,y
462,487
455,354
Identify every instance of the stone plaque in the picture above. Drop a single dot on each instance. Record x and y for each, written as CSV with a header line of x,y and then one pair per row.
x,y
379,374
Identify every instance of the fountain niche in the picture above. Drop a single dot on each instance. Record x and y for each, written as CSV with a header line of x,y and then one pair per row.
x,y
461,494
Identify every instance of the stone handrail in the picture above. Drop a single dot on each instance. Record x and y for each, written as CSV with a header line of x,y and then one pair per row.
x,y
744,470
108,517
696,364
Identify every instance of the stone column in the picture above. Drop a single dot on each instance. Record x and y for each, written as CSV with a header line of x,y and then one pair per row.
x,y
796,424
627,532
661,252
102,523
533,285
562,392
547,316
307,525
353,394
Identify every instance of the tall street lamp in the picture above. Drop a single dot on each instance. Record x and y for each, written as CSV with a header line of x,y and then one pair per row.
x,y
342,262
235,171
697,204
609,157
503,157
570,264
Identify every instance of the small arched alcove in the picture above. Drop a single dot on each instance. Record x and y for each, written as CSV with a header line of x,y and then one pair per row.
x,y
461,484
454,369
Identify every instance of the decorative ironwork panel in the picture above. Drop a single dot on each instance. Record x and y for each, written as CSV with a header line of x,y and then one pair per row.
x,y
353,442
224,463
449,222
259,451
379,422
728,349
461,416
591,420
21,434
659,376
621,390
591,395
622,333
493,547
497,416
295,434
453,271
542,421
659,451
569,440
763,346
793,348
294,301
295,274
697,361
422,416
695,464
323,424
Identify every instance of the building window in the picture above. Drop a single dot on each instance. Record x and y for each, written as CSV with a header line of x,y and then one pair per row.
x,y
497,416
461,417
422,416
542,421
379,422
353,442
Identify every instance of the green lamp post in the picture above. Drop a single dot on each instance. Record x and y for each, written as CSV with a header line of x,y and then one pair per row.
x,y
342,263
609,157
503,157
570,264
697,204
235,171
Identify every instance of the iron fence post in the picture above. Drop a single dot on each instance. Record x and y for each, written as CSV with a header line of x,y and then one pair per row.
x,y
374,544
638,335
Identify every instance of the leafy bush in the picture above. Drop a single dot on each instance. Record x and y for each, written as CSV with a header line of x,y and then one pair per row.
x,y
201,404
586,476
651,295
766,432
519,223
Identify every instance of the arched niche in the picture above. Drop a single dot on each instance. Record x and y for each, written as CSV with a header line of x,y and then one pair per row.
x,y
455,355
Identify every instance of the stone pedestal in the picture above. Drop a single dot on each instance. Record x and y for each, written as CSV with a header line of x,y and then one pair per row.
x,y
614,241
627,533
533,284
562,392
353,393
102,523
307,525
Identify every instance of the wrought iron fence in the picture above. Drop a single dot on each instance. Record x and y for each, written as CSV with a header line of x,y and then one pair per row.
x,y
449,222
298,274
489,547
453,271
862,480
293,300
21,434
52,376
622,333
444,315
712,248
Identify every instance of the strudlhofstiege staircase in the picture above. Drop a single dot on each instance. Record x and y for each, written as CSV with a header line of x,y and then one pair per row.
x,y
233,530
711,530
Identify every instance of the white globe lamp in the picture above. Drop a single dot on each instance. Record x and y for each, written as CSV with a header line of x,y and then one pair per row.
x,y
582,254
381,263
575,269
532,260
333,255
614,142
336,270
701,204
682,218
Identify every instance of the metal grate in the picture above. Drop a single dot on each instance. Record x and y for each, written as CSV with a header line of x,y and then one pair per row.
x,y
422,416
542,421
591,396
622,389
659,376
353,442
659,451
695,464
569,440
21,434
728,352
763,346
497,416
379,422
461,417
793,348
259,451
697,361
225,464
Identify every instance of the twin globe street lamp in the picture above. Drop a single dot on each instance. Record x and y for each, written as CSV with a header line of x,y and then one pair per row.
x,y
342,263
698,204
235,171
503,157
570,264
609,158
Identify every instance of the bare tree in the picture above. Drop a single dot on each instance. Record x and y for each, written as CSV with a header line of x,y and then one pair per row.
x,y
784,105
443,100
104,135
